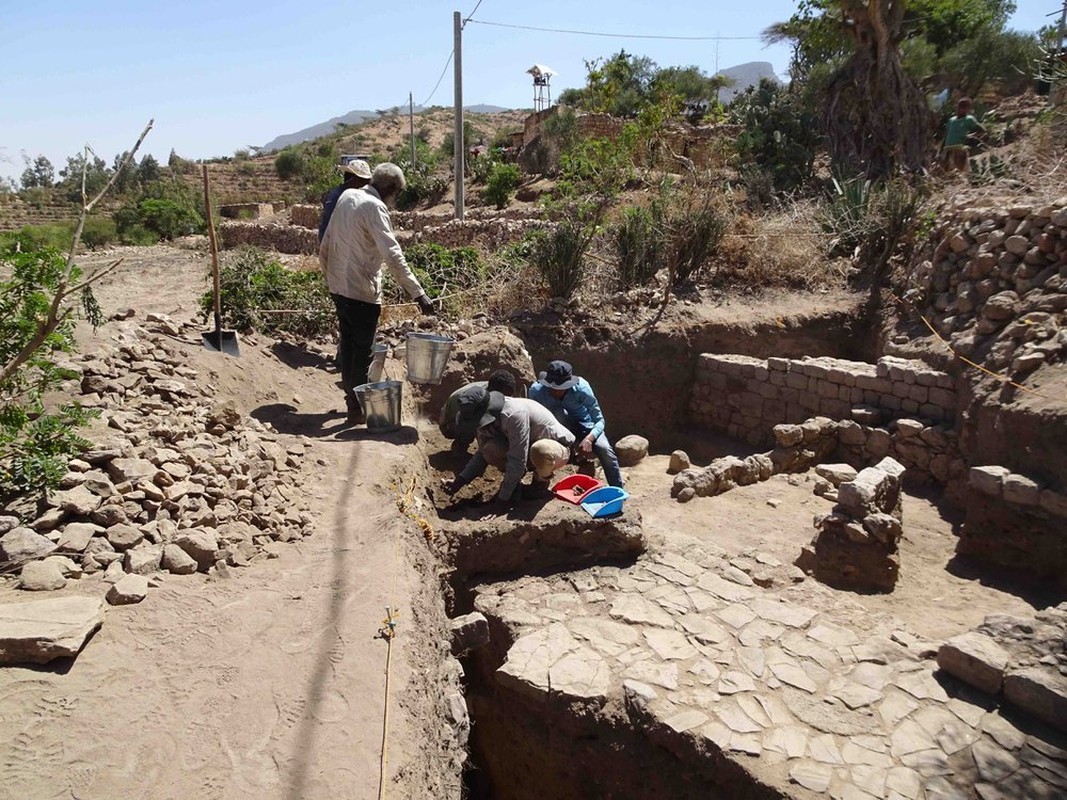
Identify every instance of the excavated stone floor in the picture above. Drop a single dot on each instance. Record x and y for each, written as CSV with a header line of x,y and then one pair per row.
x,y
802,687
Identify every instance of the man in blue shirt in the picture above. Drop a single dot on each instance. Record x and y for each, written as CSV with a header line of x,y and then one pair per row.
x,y
573,403
357,175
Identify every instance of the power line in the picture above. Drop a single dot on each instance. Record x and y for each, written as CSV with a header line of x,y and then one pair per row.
x,y
615,35
471,15
440,78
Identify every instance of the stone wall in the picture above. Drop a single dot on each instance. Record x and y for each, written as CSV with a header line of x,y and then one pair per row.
x,y
283,238
1015,522
246,210
746,397
306,216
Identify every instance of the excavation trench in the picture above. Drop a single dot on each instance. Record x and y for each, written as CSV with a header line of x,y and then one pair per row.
x,y
530,744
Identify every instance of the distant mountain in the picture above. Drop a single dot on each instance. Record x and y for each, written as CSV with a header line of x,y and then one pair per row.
x,y
351,118
745,75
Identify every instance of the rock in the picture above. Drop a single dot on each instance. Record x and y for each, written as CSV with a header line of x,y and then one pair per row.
x,y
836,474
679,461
78,501
177,561
123,537
788,435
130,469
41,576
8,523
75,536
201,545
1001,306
224,414
128,590
43,630
68,567
988,480
1021,490
468,633
143,559
909,427
687,494
1040,692
631,449
975,659
22,544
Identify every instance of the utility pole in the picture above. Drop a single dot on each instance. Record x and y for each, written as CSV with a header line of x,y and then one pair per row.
x,y
1063,25
411,126
457,139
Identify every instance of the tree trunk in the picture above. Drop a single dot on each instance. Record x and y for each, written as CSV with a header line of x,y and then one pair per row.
x,y
875,116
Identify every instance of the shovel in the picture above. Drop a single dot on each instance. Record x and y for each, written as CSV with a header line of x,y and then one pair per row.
x,y
218,340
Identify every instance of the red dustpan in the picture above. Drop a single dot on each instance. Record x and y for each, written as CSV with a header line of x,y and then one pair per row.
x,y
574,488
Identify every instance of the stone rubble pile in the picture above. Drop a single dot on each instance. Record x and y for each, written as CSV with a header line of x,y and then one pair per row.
x,y
997,285
188,486
857,544
1024,658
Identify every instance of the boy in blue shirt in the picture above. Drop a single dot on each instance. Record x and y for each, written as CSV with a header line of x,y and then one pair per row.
x,y
572,402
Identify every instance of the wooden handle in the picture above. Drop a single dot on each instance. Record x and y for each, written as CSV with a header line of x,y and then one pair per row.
x,y
217,281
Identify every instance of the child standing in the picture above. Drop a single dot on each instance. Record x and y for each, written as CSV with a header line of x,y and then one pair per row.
x,y
958,134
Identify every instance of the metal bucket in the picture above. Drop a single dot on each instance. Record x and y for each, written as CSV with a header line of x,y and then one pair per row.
x,y
427,356
377,362
381,404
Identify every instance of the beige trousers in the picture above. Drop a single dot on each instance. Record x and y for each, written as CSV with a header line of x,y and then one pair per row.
x,y
546,455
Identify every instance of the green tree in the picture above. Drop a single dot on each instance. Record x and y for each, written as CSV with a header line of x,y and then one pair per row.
x,y
96,176
149,171
779,136
289,163
39,173
619,85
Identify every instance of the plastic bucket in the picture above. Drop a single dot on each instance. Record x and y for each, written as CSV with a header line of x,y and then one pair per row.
x,y
427,356
381,404
377,363
605,501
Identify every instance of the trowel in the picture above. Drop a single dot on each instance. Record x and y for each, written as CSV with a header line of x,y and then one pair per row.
x,y
218,340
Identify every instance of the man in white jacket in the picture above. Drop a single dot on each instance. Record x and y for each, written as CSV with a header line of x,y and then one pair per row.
x,y
358,239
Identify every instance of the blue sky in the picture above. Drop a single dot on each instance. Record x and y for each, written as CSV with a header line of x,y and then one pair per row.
x,y
221,75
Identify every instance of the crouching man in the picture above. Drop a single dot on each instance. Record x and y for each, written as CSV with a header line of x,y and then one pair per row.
x,y
500,381
512,433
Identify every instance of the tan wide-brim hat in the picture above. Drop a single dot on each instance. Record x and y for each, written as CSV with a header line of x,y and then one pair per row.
x,y
357,167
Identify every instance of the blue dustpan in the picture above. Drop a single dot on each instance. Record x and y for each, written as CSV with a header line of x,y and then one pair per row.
x,y
605,501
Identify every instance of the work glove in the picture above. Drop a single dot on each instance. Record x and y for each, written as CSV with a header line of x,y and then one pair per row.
x,y
426,305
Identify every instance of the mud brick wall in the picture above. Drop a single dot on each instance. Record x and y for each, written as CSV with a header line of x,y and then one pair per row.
x,y
745,397
1015,522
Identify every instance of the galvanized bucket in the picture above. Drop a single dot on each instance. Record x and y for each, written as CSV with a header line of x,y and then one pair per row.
x,y
377,363
427,356
381,404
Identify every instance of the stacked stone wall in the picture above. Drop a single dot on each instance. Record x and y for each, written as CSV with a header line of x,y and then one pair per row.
x,y
270,236
246,210
746,397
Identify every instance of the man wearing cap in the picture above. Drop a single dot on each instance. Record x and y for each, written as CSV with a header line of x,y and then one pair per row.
x,y
511,431
500,381
573,403
358,239
357,175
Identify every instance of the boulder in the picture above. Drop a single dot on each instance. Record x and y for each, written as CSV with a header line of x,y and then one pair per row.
x,y
8,523
975,659
128,590
201,545
836,474
40,631
123,537
22,544
1041,692
631,449
679,462
78,501
177,561
143,559
468,632
74,538
130,469
41,576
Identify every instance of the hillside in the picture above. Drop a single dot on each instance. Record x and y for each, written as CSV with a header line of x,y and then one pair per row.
x,y
744,76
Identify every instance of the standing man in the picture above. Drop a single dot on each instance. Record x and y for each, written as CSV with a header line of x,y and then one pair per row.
x,y
357,175
357,240
512,432
572,401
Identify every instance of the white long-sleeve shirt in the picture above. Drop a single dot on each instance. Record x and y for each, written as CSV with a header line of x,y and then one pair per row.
x,y
357,241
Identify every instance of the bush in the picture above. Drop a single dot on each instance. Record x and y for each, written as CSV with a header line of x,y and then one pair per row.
x,y
53,236
289,163
98,232
559,255
640,246
502,182
35,446
253,284
169,208
779,135
441,270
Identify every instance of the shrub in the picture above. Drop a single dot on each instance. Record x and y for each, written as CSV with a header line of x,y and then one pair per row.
x,y
53,236
254,284
442,270
289,163
502,182
640,246
36,445
98,232
169,208
779,136
559,255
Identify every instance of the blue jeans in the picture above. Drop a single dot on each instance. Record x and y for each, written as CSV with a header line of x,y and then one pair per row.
x,y
605,453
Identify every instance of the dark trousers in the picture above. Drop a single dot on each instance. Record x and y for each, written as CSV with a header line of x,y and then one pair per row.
x,y
358,322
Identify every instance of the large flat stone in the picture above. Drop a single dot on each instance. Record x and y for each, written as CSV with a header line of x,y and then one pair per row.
x,y
976,659
43,630
1040,692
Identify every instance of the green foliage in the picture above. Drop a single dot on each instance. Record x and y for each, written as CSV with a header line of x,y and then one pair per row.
x,y
442,270
99,232
96,177
639,244
501,183
779,135
694,231
35,445
149,171
38,173
55,236
471,135
1007,58
289,163
559,255
986,169
253,283
168,208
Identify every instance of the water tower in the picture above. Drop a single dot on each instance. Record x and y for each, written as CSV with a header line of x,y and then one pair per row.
x,y
542,77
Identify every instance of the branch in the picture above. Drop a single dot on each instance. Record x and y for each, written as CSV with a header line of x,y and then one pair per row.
x,y
94,277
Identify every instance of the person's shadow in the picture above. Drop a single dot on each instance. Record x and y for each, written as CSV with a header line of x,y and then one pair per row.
x,y
285,419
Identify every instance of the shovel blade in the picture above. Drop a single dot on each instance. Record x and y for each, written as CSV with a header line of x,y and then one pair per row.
x,y
222,342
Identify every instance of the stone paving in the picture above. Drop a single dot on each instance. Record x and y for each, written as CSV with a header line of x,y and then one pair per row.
x,y
806,690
